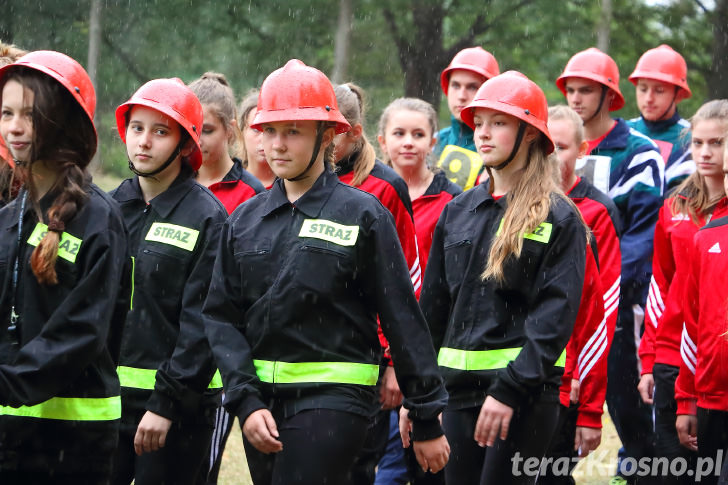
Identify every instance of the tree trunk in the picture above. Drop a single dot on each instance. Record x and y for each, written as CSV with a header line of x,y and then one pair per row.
x,y
426,54
604,26
342,42
718,79
94,44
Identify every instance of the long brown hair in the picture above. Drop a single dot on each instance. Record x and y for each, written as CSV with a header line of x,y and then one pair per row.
x,y
8,178
350,99
691,196
529,202
64,138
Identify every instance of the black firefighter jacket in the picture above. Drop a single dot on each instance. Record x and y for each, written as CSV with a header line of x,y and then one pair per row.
x,y
166,364
504,340
59,392
292,310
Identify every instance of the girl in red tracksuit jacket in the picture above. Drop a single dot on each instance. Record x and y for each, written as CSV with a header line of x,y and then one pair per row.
x,y
583,388
700,389
502,291
252,150
63,297
695,202
406,136
219,172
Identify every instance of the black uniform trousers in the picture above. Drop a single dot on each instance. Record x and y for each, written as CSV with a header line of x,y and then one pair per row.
x,y
631,416
507,461
179,462
667,443
319,447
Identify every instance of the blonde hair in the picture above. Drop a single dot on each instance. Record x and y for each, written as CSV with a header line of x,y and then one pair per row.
x,y
564,113
407,104
213,89
697,201
350,99
248,104
10,53
529,203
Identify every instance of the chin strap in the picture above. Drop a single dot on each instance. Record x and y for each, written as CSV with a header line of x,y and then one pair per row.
x,y
516,146
674,97
601,102
172,158
320,129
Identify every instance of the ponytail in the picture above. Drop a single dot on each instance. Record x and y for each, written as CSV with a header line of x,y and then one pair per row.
x,y
350,99
66,205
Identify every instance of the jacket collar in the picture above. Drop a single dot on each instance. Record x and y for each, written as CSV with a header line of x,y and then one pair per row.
x,y
662,125
165,202
235,173
481,196
346,164
311,203
617,138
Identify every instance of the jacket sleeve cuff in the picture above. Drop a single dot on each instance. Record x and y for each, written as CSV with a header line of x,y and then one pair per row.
x,y
163,405
249,405
501,392
687,406
426,429
589,419
648,362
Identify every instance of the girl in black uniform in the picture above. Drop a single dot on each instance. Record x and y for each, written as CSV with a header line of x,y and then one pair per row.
x,y
502,291
174,224
302,272
62,258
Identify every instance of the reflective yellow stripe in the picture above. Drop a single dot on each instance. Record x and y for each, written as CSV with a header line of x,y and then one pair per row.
x,y
476,359
541,234
70,409
172,234
483,359
303,372
68,245
136,378
145,378
133,268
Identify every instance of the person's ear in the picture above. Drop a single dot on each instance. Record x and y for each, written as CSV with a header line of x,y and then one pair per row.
x,y
583,148
188,148
356,131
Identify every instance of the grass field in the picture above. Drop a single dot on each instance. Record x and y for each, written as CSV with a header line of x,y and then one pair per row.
x,y
597,469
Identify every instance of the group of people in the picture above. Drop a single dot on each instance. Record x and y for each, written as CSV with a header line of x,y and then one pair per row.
x,y
464,302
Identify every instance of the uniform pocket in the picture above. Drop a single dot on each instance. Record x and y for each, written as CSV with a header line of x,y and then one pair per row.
x,y
162,271
458,250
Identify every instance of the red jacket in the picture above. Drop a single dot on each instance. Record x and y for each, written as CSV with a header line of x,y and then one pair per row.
x,y
593,330
703,378
427,209
391,190
236,187
587,350
664,319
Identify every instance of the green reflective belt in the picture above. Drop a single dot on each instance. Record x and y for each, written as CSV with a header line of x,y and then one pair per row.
x,y
307,372
145,378
483,359
70,409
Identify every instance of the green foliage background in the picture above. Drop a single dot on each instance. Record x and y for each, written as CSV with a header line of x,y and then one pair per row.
x,y
246,40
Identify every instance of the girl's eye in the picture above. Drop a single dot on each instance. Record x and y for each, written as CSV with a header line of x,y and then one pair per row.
x,y
697,143
717,143
207,131
560,147
161,132
293,131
